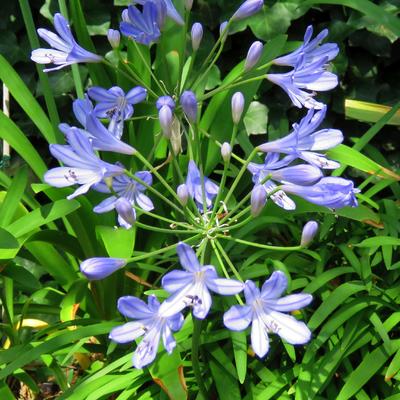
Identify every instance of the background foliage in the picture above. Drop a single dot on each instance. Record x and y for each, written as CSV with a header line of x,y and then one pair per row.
x,y
54,336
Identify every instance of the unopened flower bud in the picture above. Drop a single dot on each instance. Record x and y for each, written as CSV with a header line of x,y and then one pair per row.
x,y
223,32
197,35
126,213
253,55
189,104
258,199
165,101
226,151
183,193
165,116
237,107
310,229
100,267
114,38
188,4
247,9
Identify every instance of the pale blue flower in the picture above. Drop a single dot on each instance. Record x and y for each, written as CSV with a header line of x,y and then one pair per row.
x,y
310,229
97,268
264,310
65,50
116,105
149,323
275,170
192,286
165,6
142,27
304,81
247,9
195,186
188,102
331,192
310,50
128,193
304,140
82,166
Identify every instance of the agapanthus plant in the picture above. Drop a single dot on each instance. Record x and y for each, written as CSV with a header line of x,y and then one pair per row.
x,y
184,191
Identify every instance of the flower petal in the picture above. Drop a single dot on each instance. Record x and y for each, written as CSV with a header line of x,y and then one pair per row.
x,y
133,307
176,280
187,257
274,286
238,318
128,332
259,338
290,303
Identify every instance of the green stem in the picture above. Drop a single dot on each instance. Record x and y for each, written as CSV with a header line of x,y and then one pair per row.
x,y
228,260
163,230
195,358
260,245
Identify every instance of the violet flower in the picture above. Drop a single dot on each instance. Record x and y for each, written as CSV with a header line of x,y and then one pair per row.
x,y
247,9
143,27
275,170
166,7
310,50
192,286
65,50
83,167
149,323
97,268
264,310
132,194
331,192
196,187
115,105
304,139
304,81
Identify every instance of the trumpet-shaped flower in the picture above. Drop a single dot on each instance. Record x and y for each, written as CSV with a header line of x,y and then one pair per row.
x,y
192,286
115,105
149,323
65,50
310,49
304,81
331,192
304,140
83,167
196,186
143,27
128,193
264,310
275,170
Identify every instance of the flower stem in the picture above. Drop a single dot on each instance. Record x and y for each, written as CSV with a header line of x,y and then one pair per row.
x,y
228,260
195,358
164,230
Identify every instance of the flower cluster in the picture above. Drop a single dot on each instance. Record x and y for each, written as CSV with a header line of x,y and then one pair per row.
x,y
195,204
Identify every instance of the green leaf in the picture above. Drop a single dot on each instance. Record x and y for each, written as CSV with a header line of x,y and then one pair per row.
x,y
349,156
378,241
256,118
10,132
373,11
9,245
42,216
5,392
25,99
119,242
167,372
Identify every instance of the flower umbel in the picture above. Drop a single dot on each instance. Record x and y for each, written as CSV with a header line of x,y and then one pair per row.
x,y
264,311
150,323
65,50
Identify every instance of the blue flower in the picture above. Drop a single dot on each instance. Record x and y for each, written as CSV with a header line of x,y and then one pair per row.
x,y
304,81
100,267
195,185
65,50
150,323
115,105
276,170
310,50
165,6
143,27
83,167
188,102
331,192
247,9
128,193
304,139
192,286
265,312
